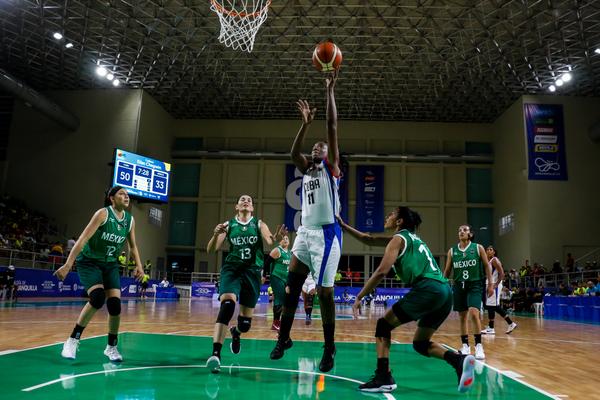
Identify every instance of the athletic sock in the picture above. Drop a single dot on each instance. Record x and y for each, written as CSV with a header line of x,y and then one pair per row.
x,y
77,331
491,324
477,338
383,365
508,320
217,349
112,339
464,339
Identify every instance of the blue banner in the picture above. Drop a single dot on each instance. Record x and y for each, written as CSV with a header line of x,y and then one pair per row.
x,y
293,206
546,142
203,289
42,283
369,198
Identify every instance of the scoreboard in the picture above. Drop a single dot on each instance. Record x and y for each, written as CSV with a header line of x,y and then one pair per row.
x,y
142,176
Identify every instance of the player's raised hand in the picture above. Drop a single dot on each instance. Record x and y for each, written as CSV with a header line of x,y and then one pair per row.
x,y
332,79
306,112
356,308
220,228
280,232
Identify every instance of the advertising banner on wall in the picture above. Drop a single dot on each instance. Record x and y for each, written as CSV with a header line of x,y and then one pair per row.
x,y
546,142
369,198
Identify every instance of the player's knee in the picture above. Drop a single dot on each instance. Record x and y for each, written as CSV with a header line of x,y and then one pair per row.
x,y
113,305
422,347
226,312
383,329
97,298
244,324
293,289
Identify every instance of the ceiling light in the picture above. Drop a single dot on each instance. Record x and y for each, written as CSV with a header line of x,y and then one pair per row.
x,y
116,82
110,76
559,82
69,45
552,88
597,51
566,77
101,71
57,36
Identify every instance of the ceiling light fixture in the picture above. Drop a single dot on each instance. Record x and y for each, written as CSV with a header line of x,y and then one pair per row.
x,y
69,45
552,88
597,51
57,36
110,76
559,82
116,82
566,77
101,71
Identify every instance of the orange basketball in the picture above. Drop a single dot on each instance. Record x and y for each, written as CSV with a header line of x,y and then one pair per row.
x,y
327,56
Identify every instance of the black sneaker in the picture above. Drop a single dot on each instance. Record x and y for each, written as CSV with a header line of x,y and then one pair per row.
x,y
326,364
235,345
280,348
379,383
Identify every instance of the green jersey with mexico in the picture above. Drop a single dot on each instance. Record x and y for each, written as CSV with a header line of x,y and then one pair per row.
x,y
416,262
282,264
466,263
106,243
245,243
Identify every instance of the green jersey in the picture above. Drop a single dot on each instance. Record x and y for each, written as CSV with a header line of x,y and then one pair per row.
x,y
466,263
282,264
416,262
106,243
245,243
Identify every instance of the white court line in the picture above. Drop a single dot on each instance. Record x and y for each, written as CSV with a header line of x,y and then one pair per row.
x,y
52,382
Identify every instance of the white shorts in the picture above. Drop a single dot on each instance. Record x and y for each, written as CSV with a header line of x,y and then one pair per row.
x,y
320,250
494,300
309,284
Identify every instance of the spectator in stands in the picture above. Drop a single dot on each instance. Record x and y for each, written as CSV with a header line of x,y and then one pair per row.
x,y
148,266
57,249
519,297
563,290
164,282
592,289
71,244
506,299
122,259
356,276
570,264
144,285
580,289
514,278
538,295
130,266
338,276
11,288
556,269
349,275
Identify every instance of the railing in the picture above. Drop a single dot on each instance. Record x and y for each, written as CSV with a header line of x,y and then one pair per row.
x,y
553,280
28,259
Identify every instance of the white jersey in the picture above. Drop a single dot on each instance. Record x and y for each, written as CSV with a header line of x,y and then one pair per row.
x,y
494,299
320,197
494,272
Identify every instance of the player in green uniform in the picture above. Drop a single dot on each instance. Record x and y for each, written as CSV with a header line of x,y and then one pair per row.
x,y
279,260
96,253
429,302
470,264
241,273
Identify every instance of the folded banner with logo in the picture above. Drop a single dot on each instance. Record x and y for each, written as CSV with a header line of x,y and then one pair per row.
x,y
293,205
369,198
546,142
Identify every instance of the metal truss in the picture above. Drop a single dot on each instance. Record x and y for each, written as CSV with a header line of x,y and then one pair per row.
x,y
422,60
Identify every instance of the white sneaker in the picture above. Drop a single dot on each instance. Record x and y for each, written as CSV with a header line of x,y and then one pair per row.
x,y
113,353
70,348
488,331
213,364
479,354
466,350
511,327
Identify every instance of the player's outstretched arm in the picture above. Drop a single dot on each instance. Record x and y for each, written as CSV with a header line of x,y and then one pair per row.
x,y
217,239
448,267
308,115
270,238
366,238
332,138
488,270
97,220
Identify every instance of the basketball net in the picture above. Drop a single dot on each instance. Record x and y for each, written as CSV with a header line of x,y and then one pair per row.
x,y
240,21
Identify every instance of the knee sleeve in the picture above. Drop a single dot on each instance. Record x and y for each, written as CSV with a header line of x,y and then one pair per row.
x,y
226,312
383,329
113,305
244,324
294,283
97,298
422,347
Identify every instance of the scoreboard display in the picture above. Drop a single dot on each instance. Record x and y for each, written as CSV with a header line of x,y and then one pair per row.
x,y
143,177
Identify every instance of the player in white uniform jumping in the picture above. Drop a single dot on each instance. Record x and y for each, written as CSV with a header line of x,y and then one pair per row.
x,y
492,303
308,295
318,245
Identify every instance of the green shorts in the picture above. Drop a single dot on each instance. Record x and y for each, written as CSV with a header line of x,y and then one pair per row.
x,y
278,286
92,272
429,302
467,294
243,281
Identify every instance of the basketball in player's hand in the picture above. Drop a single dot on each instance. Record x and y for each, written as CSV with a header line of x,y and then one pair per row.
x,y
327,56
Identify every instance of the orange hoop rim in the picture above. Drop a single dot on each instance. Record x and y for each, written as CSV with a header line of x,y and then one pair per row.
x,y
221,10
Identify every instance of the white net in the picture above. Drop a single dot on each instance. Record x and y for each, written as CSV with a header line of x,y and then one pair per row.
x,y
240,21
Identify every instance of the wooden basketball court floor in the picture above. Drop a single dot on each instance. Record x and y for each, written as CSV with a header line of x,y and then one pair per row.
x,y
165,345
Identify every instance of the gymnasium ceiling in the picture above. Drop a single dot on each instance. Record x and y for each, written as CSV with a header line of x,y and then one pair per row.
x,y
424,60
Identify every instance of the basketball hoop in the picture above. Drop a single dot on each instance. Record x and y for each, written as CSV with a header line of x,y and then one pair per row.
x,y
240,21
